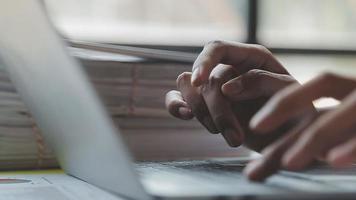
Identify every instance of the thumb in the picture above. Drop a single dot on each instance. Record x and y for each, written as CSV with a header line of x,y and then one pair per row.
x,y
255,83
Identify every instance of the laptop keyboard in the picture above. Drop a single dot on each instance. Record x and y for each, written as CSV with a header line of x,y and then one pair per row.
x,y
211,167
207,169
219,177
318,178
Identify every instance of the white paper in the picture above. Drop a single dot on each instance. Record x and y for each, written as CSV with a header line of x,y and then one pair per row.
x,y
49,186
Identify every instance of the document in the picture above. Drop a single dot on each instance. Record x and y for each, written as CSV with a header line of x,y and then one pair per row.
x,y
48,184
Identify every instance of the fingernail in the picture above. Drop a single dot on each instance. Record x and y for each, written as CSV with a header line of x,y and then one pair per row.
x,y
195,81
289,161
232,88
251,170
183,111
250,167
232,137
339,159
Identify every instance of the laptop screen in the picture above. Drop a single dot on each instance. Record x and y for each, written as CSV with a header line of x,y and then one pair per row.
x,y
62,101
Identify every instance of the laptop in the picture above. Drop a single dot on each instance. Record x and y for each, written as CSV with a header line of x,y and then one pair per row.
x,y
89,147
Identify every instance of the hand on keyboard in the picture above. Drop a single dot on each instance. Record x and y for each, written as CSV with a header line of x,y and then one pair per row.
x,y
329,135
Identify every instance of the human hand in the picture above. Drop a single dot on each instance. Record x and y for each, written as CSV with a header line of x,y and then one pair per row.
x,y
329,135
233,93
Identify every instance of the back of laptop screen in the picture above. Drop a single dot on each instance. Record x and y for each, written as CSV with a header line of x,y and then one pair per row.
x,y
62,101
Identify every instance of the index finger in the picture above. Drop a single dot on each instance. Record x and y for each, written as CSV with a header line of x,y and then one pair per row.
x,y
270,162
297,99
242,56
220,108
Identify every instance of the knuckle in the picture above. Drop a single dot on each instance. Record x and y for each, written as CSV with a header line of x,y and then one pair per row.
x,y
255,78
252,78
204,89
256,75
216,81
262,49
183,78
216,44
255,72
327,80
327,76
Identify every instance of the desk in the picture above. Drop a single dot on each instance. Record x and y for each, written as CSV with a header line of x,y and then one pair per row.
x,y
48,184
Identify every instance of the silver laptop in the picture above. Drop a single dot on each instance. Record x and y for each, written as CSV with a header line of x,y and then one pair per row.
x,y
87,144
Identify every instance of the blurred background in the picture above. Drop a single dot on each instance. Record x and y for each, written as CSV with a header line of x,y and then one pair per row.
x,y
159,22
308,36
281,23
